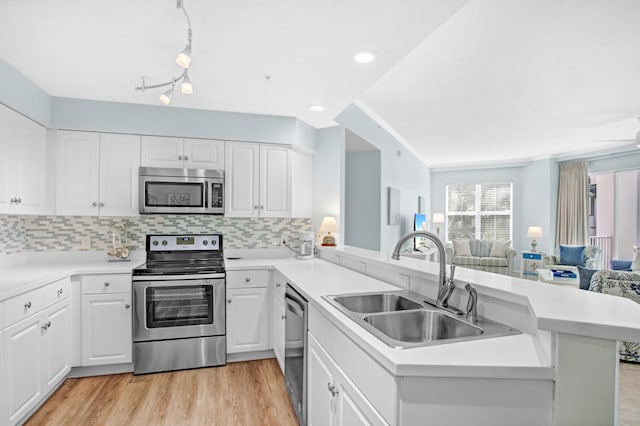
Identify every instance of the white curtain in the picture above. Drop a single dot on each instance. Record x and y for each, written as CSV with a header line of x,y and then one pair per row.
x,y
571,225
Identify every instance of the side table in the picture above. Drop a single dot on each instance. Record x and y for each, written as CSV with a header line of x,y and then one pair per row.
x,y
531,261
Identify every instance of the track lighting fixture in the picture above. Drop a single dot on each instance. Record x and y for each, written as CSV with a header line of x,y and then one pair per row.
x,y
184,60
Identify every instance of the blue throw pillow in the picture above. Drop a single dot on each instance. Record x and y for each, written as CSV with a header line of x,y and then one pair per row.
x,y
572,255
585,277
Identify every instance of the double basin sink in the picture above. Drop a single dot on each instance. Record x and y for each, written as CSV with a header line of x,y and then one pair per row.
x,y
403,319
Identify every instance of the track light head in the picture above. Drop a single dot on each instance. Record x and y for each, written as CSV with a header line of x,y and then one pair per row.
x,y
184,57
165,98
186,87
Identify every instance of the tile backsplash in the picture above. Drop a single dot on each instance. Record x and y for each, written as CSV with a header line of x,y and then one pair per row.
x,y
62,233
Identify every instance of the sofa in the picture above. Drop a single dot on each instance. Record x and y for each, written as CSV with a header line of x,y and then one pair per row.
x,y
623,284
485,255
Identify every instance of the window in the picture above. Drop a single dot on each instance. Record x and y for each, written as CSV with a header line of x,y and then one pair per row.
x,y
481,211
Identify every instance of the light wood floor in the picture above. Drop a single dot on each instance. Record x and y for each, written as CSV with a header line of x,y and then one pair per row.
x,y
241,393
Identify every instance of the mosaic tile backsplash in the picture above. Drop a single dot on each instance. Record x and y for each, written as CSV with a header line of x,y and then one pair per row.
x,y
62,233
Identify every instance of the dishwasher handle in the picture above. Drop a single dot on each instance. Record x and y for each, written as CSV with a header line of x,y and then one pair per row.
x,y
294,306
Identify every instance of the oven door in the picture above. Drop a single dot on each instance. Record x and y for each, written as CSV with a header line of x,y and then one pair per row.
x,y
178,308
161,194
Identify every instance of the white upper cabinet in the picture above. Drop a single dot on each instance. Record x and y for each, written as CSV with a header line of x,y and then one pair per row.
x,y
97,174
23,164
168,152
257,180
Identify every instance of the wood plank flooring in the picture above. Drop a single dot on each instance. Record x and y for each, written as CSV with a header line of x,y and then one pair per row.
x,y
241,393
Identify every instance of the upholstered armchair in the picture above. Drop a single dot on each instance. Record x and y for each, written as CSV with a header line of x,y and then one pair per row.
x,y
565,257
623,284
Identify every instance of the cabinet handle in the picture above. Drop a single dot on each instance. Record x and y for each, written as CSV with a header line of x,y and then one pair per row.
x,y
46,326
94,204
127,306
27,305
333,389
229,300
255,207
101,204
12,201
283,316
19,200
261,207
278,285
179,157
186,157
106,284
60,292
247,279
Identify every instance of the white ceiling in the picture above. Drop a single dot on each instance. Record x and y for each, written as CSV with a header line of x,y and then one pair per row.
x,y
483,81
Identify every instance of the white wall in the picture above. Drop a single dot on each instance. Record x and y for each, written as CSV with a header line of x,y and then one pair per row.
x,y
328,171
399,169
362,200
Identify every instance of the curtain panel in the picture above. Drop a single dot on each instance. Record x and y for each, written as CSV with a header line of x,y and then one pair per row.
x,y
571,225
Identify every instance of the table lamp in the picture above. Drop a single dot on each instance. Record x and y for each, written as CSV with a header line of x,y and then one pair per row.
x,y
534,232
438,218
328,225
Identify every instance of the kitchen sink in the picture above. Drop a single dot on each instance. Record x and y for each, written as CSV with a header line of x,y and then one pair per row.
x,y
404,319
421,326
378,302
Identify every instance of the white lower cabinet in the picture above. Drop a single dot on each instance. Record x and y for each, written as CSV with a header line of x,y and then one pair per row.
x,y
36,357
106,329
332,399
247,319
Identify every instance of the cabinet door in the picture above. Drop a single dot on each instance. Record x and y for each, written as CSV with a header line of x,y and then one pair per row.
x,y
56,354
30,165
247,319
77,171
277,328
203,154
106,329
242,179
23,384
320,401
119,159
7,136
275,181
161,152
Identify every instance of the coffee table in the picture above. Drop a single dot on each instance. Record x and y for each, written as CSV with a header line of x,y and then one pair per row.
x,y
545,275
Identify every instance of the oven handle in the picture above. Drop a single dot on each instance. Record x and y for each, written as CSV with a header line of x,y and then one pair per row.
x,y
176,277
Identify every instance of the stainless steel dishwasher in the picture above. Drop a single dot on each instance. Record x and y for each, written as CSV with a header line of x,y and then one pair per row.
x,y
295,352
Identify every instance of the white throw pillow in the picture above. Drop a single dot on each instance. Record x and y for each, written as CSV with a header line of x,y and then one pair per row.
x,y
461,248
499,248
635,264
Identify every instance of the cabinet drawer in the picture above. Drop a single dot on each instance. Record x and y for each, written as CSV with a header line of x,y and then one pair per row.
x,y
532,256
56,291
22,306
249,278
106,284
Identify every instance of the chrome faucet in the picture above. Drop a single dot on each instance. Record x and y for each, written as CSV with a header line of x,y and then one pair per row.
x,y
446,286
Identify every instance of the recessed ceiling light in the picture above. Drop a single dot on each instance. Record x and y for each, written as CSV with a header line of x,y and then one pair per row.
x,y
316,108
364,57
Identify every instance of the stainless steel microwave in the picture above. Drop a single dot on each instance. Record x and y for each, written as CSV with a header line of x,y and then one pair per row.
x,y
165,190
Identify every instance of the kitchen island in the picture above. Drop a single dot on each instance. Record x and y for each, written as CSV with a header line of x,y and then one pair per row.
x,y
545,375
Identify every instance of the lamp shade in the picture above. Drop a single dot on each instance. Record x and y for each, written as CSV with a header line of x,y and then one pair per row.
x,y
534,232
328,224
438,218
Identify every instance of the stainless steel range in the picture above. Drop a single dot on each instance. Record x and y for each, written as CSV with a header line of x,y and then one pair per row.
x,y
179,304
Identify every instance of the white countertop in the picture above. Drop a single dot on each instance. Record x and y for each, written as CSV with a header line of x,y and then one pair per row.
x,y
36,270
519,356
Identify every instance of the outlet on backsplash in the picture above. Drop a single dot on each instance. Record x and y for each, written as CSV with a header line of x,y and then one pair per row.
x,y
85,242
284,239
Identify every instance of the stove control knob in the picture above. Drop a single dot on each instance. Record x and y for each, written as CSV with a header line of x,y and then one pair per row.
x,y
164,242
155,243
213,242
205,242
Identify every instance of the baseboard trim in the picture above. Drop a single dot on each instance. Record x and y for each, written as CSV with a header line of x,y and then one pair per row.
x,y
250,356
100,370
